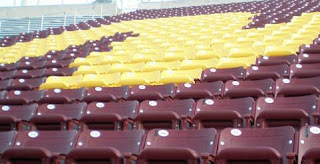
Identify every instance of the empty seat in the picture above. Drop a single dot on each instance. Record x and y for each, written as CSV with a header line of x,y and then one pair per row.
x,y
6,140
211,74
100,80
265,72
173,114
224,113
309,145
17,97
8,67
65,82
136,78
179,146
286,111
54,63
269,145
102,94
29,74
60,96
152,92
59,71
26,84
267,60
309,58
109,116
304,70
297,87
256,88
7,74
29,64
115,147
180,76
40,147
4,84
15,117
313,48
58,116
201,90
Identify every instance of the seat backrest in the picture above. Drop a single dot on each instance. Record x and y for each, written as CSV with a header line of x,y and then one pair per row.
x,y
6,140
309,143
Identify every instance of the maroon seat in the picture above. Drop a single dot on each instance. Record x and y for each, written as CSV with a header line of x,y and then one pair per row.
x,y
54,63
8,67
201,90
29,64
256,88
58,116
269,145
309,58
265,72
17,97
309,147
173,114
15,117
152,92
7,74
297,87
211,74
224,113
114,147
26,84
30,59
104,94
59,71
6,140
29,74
276,60
109,116
304,70
41,147
4,84
310,48
60,96
179,146
286,111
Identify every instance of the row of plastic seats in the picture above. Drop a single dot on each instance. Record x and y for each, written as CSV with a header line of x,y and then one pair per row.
x,y
276,145
174,114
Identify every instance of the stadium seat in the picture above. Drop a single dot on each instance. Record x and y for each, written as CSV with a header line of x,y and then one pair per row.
x,y
276,60
4,84
175,114
264,72
274,145
201,90
271,112
152,92
26,84
58,63
60,96
136,78
256,88
179,146
40,146
308,58
57,116
16,117
304,70
109,116
224,113
312,49
6,140
28,65
105,94
17,97
59,71
309,145
297,87
211,74
107,147
180,76
29,74
7,74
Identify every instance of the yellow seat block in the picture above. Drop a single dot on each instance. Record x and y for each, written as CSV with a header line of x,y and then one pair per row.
x,y
154,66
241,52
131,67
137,78
180,76
98,69
236,62
203,64
116,59
101,80
278,51
64,82
86,61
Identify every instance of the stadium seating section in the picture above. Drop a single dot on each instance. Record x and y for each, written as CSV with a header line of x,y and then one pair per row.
x,y
233,83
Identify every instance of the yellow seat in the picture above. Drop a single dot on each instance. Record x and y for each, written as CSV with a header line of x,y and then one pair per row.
x,y
206,54
116,59
278,51
137,78
203,64
155,66
177,55
98,69
86,61
64,82
101,80
180,76
236,62
147,57
241,52
131,67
